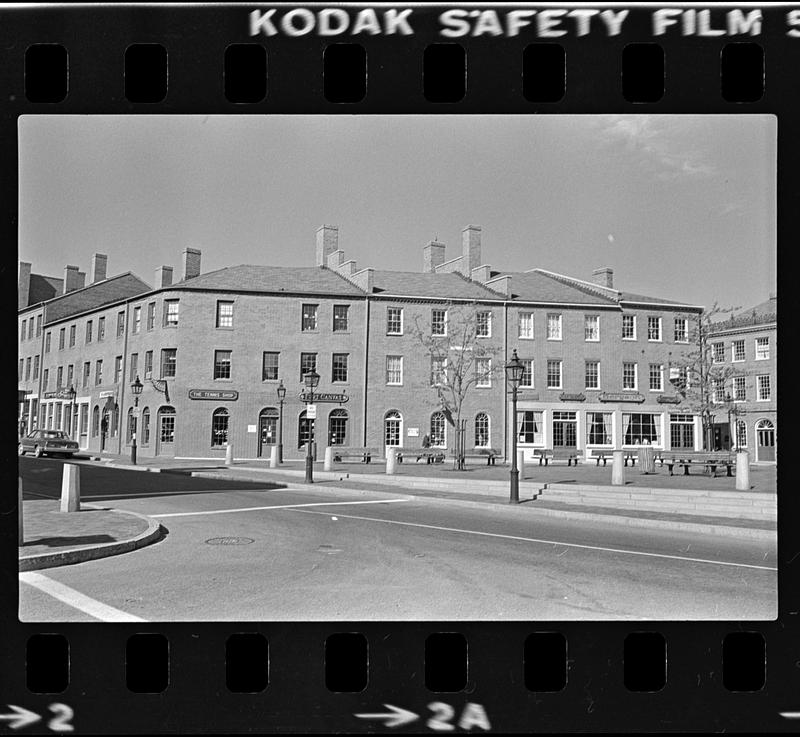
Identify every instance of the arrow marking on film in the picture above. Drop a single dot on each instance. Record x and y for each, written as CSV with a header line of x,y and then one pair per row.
x,y
394,718
20,718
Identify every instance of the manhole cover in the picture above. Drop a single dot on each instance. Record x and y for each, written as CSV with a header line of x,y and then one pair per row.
x,y
230,541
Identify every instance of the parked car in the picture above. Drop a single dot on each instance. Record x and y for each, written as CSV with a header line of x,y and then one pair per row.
x,y
47,442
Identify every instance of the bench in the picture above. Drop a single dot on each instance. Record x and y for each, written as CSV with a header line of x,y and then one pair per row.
x,y
362,455
601,454
707,459
490,454
431,455
570,455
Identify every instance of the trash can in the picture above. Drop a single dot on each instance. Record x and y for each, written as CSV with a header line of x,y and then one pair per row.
x,y
647,459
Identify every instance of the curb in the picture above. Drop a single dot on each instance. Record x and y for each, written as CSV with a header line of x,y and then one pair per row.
x,y
154,532
699,527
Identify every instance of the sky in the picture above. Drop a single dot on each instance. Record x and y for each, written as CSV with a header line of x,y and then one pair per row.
x,y
680,206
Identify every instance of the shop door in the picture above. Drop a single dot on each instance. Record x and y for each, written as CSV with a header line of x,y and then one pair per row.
x,y
765,432
565,430
166,434
83,426
267,433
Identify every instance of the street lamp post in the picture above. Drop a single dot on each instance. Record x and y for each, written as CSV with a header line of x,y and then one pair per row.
x,y
281,390
71,393
514,370
136,389
311,381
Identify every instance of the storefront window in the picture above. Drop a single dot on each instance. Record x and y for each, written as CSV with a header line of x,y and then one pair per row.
x,y
598,428
636,428
529,427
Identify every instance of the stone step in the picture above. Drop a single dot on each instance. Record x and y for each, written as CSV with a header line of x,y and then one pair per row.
x,y
744,502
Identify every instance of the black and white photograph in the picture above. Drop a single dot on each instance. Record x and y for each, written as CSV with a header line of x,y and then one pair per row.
x,y
323,368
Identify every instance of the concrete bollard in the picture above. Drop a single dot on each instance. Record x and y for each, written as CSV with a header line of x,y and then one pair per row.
x,y
391,461
742,470
328,465
19,513
71,488
618,469
521,464
229,455
273,457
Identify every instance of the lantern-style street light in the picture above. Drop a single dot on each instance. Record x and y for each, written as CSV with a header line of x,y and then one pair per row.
x,y
514,370
136,390
281,391
311,381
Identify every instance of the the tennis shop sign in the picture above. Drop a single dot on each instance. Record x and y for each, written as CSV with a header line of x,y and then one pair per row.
x,y
215,394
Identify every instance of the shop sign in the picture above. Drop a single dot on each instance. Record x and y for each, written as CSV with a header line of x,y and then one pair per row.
x,y
664,399
526,395
621,397
564,397
215,394
60,394
323,397
413,432
107,393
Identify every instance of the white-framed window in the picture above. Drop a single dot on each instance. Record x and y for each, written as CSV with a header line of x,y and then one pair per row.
x,y
741,434
308,364
438,322
169,362
483,324
339,367
120,327
764,388
762,348
394,320
530,428
718,353
656,377
101,328
341,318
222,364
526,325
717,391
739,388
638,427
483,370
591,327
224,314
598,428
438,371
592,374
681,330
269,365
308,317
438,430
171,312
737,351
629,327
527,373
482,434
553,374
117,369
137,319
394,370
653,328
553,326
219,427
629,375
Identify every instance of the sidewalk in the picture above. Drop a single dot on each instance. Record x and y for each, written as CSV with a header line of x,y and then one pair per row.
x,y
55,538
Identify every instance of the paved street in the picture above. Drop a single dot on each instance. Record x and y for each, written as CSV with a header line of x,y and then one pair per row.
x,y
333,554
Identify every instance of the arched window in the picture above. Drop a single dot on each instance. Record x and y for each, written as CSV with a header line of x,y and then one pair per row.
x,y
305,430
392,428
438,431
145,426
741,434
481,430
219,428
337,427
129,436
95,421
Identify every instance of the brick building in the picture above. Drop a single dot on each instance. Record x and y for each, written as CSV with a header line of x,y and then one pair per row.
x,y
212,349
748,401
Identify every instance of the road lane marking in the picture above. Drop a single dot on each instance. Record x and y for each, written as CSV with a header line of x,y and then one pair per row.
x,y
281,506
76,599
551,542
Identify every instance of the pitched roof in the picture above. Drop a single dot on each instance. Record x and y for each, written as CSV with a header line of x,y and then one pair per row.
x,y
760,314
630,297
107,291
272,279
448,285
539,285
43,288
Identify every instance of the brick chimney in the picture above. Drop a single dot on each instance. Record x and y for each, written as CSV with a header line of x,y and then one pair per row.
x,y
470,248
432,256
99,264
81,279
191,263
604,276
23,284
71,279
327,243
163,277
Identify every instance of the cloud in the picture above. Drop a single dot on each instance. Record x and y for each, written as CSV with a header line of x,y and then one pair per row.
x,y
662,145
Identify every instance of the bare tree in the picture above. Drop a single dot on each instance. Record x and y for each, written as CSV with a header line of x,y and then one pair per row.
x,y
704,380
461,357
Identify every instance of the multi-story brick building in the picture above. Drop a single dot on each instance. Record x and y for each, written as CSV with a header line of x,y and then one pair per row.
x,y
746,343
212,349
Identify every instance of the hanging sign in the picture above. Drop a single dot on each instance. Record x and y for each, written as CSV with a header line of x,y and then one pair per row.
x,y
664,399
621,397
565,397
323,397
217,394
108,393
